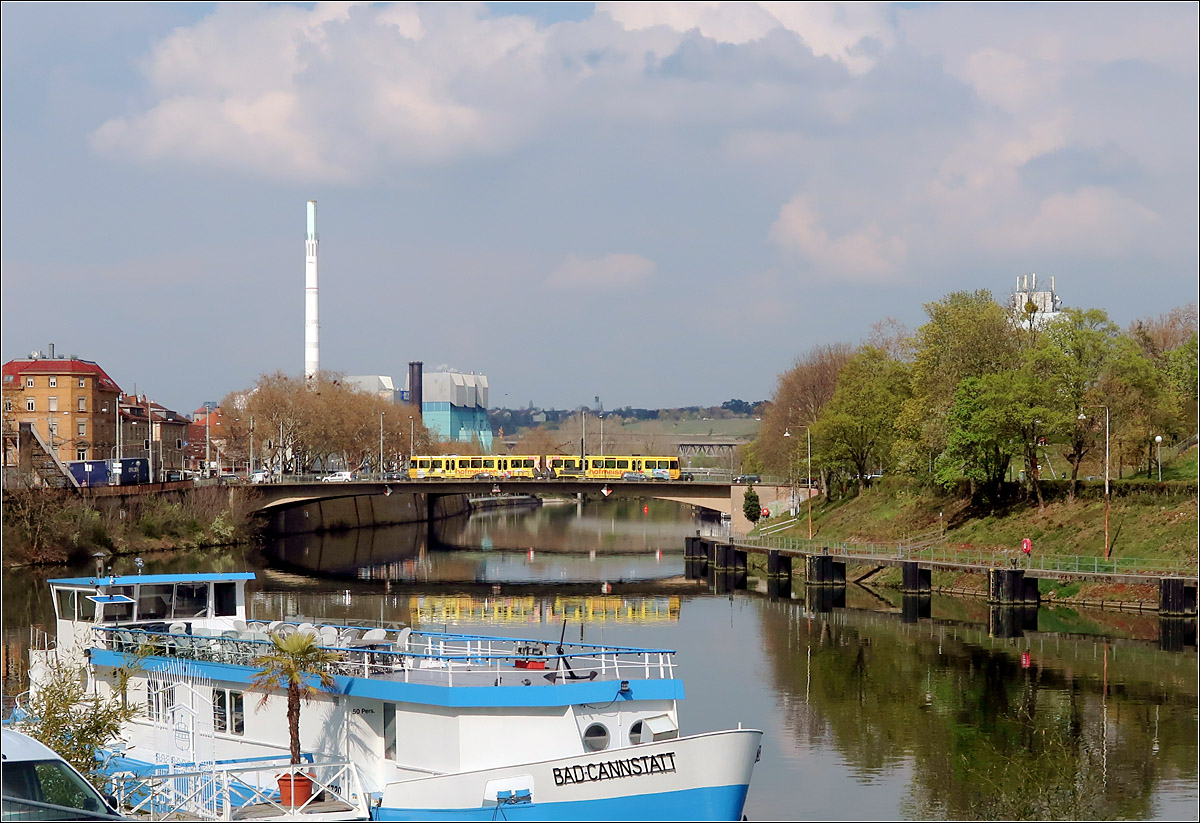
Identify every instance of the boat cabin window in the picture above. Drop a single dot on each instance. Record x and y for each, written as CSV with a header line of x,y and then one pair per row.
x,y
229,711
389,731
160,697
595,737
191,600
85,609
638,733
65,603
224,599
119,611
73,604
154,602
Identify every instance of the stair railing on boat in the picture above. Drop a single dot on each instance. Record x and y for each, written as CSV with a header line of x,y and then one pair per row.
x,y
241,789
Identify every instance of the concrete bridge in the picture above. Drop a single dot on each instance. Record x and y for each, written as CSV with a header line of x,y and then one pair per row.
x,y
363,503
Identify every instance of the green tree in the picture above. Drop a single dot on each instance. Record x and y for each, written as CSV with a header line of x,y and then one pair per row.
x,y
968,335
1087,340
1140,406
74,722
1036,405
801,394
752,506
858,427
294,662
981,437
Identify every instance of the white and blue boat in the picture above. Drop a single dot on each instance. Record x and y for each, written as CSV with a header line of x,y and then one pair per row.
x,y
419,725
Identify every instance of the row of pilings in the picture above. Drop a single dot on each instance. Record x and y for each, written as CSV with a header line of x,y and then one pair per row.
x,y
1013,595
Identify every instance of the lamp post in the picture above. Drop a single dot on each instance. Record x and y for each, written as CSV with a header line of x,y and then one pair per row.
x,y
601,434
1158,459
1107,496
250,471
381,445
412,447
808,490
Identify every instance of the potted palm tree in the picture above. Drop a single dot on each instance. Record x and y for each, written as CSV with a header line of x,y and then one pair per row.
x,y
293,663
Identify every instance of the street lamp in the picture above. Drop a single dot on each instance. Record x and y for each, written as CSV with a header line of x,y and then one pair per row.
x,y
808,490
1107,496
381,445
601,434
412,447
1158,447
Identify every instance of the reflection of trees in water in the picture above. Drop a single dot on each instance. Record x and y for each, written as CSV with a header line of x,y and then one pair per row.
x,y
986,736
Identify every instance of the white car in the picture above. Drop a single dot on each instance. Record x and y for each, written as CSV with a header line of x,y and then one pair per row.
x,y
40,785
338,477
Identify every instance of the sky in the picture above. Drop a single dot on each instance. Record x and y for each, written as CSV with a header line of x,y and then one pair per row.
x,y
659,204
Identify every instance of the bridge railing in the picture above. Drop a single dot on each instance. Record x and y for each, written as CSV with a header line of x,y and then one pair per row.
x,y
926,549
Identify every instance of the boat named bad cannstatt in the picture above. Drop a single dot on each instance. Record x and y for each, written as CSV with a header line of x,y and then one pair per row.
x,y
418,725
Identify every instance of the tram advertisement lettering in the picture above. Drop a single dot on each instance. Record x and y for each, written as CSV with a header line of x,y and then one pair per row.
x,y
612,769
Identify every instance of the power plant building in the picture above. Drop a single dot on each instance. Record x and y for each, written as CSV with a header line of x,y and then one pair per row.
x,y
455,406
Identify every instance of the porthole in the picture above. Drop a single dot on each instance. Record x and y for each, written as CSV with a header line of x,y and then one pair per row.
x,y
638,733
595,738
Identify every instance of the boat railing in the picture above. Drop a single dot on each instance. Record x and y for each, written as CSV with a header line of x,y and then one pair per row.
x,y
244,789
427,658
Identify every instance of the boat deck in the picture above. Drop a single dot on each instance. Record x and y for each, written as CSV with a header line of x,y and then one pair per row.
x,y
431,658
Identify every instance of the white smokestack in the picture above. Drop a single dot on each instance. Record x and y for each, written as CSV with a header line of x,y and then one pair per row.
x,y
312,343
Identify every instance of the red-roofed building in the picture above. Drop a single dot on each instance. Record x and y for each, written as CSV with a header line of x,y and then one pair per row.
x,y
70,401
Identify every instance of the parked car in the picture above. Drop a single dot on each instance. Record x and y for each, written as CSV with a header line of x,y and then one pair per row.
x,y
338,477
634,476
396,476
40,785
747,478
260,477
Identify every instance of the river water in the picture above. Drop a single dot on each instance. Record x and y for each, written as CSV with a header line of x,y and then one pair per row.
x,y
872,708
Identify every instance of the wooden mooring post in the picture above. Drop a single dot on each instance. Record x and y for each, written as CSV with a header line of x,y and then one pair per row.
x,y
1176,597
914,579
1012,587
695,557
823,570
779,575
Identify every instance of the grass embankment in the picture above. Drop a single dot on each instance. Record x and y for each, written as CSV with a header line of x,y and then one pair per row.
x,y
1148,524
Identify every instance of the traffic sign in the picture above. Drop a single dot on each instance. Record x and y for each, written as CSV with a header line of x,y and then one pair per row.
x,y
766,512
606,491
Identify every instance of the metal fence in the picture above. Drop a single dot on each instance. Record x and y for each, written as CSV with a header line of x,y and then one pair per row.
x,y
927,548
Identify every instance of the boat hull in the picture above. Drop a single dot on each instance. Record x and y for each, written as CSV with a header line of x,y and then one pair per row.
x,y
700,777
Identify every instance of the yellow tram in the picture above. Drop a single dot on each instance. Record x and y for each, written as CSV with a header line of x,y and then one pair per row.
x,y
494,466
467,467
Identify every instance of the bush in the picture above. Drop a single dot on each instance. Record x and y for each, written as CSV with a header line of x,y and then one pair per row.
x,y
1141,488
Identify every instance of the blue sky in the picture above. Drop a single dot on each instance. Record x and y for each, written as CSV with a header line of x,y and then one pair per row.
x,y
660,204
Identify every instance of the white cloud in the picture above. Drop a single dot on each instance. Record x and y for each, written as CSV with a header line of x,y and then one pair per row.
x,y
834,30
607,273
865,254
1089,222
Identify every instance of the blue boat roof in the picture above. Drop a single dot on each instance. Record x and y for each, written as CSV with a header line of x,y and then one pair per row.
x,y
132,579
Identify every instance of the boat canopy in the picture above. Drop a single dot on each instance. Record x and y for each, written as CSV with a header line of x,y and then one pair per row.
x,y
145,597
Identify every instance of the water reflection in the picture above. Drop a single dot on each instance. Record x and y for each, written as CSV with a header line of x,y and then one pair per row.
x,y
875,705
988,726
626,540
